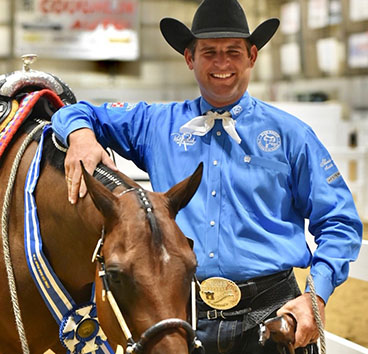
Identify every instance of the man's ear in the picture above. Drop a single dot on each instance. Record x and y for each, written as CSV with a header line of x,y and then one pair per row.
x,y
188,58
253,55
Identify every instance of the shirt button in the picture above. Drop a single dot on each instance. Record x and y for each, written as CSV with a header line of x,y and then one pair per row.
x,y
213,193
218,133
212,255
247,158
215,162
212,223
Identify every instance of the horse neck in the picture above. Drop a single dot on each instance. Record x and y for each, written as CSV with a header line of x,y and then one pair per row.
x,y
69,232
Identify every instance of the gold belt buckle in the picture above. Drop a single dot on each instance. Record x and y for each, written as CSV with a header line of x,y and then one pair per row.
x,y
220,293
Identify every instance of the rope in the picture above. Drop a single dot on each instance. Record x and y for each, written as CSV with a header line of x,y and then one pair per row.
x,y
317,315
57,145
5,237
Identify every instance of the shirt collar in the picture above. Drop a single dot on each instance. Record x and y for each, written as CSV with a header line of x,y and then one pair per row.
x,y
235,108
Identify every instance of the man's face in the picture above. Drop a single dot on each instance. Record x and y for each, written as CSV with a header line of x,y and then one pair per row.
x,y
222,68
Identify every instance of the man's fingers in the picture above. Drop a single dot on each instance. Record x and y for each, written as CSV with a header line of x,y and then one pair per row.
x,y
73,187
301,340
82,189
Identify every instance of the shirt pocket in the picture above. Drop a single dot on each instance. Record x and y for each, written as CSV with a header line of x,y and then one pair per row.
x,y
263,185
267,164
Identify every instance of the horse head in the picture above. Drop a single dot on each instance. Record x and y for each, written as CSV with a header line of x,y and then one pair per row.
x,y
149,265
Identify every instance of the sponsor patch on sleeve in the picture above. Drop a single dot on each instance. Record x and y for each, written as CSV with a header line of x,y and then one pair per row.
x,y
128,106
115,104
333,177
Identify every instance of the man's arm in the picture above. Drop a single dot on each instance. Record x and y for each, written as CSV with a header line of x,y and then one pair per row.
x,y
88,129
322,196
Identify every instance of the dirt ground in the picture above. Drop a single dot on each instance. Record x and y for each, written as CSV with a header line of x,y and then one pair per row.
x,y
347,309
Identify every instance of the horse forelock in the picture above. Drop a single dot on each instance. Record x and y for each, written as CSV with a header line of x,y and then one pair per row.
x,y
146,204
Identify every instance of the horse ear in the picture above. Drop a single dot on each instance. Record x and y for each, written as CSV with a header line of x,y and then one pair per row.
x,y
103,199
191,242
180,195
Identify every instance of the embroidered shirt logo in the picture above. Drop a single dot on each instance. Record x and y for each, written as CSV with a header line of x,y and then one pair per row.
x,y
269,140
326,164
131,106
184,139
237,110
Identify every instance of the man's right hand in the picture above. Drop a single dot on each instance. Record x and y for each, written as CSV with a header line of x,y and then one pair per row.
x,y
84,147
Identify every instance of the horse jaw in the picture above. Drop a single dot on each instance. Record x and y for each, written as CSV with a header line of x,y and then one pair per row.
x,y
181,194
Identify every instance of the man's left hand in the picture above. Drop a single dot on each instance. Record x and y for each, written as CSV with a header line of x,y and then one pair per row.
x,y
301,309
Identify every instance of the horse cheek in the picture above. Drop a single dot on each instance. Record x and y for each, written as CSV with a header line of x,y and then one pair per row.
x,y
106,317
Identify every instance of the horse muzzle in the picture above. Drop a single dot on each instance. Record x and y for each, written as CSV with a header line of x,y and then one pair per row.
x,y
195,345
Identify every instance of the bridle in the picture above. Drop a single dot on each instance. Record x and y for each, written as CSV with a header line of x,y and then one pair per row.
x,y
134,347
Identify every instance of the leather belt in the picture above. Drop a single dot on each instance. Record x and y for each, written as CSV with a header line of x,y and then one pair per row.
x,y
214,314
283,285
255,286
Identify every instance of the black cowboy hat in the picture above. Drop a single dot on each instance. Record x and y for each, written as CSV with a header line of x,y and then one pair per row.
x,y
216,19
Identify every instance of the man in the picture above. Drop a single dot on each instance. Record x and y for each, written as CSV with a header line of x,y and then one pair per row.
x,y
264,173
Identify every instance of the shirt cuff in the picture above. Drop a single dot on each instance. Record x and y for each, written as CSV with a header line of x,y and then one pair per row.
x,y
322,283
71,128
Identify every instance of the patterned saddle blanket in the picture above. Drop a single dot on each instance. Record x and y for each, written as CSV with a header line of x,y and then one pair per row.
x,y
14,111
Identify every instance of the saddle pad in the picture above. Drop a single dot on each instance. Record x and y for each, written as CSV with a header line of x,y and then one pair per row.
x,y
11,124
6,120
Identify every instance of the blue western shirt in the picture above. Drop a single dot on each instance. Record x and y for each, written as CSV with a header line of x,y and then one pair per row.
x,y
247,217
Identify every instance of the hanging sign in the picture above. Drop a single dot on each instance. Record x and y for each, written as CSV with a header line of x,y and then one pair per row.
x,y
78,29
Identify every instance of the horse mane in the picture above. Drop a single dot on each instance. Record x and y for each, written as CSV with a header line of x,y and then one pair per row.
x,y
109,178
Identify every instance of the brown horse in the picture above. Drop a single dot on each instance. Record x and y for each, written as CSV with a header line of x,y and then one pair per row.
x,y
149,262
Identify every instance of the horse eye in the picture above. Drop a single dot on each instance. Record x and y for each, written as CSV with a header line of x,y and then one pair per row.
x,y
114,275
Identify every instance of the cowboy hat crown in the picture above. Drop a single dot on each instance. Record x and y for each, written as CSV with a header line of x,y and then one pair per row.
x,y
216,19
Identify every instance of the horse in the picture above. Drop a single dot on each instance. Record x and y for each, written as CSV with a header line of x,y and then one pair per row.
x,y
148,262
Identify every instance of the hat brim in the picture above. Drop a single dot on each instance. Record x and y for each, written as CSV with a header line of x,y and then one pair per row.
x,y
179,35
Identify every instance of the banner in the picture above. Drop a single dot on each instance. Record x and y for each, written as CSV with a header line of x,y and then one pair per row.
x,y
78,29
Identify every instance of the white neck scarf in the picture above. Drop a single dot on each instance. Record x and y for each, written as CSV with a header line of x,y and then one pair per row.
x,y
201,125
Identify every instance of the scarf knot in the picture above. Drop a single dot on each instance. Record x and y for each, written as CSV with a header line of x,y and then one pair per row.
x,y
201,125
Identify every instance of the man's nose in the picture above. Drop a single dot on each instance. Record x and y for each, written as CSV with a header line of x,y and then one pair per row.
x,y
221,59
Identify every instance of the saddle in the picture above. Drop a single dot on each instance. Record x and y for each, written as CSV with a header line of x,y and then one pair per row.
x,y
29,93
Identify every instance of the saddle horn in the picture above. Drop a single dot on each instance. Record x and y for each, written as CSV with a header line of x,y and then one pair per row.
x,y
27,80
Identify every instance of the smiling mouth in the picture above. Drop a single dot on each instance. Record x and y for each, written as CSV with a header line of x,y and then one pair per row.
x,y
222,76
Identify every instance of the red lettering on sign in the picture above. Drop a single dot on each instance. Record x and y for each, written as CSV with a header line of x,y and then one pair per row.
x,y
85,25
87,6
